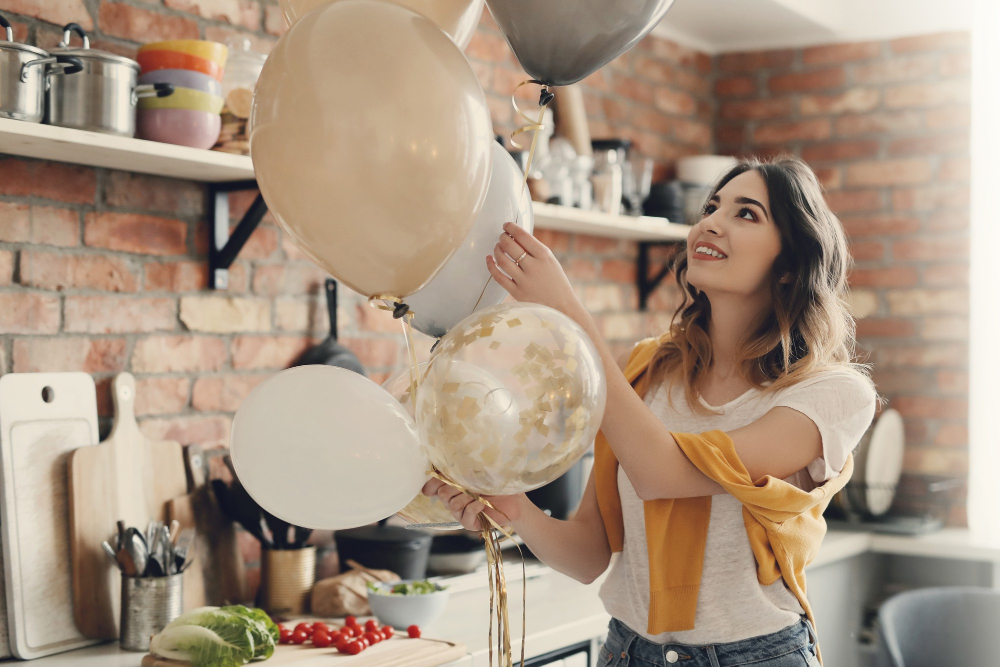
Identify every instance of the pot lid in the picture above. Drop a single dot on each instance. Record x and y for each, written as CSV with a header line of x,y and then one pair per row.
x,y
15,46
9,44
87,53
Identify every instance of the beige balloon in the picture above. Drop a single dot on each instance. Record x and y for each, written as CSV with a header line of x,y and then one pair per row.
x,y
372,144
458,18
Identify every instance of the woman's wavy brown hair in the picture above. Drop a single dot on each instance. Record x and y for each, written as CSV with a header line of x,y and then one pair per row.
x,y
809,328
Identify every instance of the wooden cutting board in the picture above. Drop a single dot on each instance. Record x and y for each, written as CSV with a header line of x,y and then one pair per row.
x,y
126,477
216,576
396,652
43,418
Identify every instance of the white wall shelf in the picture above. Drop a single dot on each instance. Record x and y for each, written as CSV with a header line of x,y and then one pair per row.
x,y
93,149
595,223
225,172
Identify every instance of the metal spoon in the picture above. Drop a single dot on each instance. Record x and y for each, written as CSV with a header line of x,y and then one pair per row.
x,y
182,551
137,549
109,551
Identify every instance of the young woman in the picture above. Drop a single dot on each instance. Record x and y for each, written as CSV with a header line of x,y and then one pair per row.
x,y
752,391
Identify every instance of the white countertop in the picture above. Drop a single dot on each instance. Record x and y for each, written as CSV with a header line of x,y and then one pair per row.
x,y
953,543
562,612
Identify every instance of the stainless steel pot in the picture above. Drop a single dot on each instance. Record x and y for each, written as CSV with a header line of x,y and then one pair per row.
x,y
101,98
24,77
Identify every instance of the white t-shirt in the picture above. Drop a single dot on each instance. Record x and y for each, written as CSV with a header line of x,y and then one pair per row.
x,y
732,604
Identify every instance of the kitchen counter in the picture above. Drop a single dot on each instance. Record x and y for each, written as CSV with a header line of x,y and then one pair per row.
x,y
950,543
563,612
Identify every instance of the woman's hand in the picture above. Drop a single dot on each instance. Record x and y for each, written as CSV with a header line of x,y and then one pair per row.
x,y
525,267
466,509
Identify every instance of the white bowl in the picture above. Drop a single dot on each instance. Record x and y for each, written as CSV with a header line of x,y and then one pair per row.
x,y
402,611
703,170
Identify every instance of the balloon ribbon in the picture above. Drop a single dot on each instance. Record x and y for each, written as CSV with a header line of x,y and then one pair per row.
x,y
401,311
544,98
493,535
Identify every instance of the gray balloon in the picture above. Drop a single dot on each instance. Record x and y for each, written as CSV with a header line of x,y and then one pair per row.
x,y
560,42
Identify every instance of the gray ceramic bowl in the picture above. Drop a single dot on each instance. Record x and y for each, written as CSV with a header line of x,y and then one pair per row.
x,y
185,78
402,611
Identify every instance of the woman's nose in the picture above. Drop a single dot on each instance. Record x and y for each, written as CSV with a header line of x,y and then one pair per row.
x,y
710,224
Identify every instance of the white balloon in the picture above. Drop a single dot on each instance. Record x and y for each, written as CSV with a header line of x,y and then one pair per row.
x,y
323,447
451,295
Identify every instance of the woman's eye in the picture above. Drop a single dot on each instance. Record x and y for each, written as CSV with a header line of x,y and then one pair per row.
x,y
747,214
708,210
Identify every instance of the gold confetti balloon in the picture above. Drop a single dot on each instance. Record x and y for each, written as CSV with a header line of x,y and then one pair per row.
x,y
511,398
422,509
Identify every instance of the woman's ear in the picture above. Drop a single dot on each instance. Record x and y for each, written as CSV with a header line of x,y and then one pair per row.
x,y
785,279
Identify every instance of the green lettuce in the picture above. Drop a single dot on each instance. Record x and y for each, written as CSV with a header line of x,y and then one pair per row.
x,y
265,631
218,637
219,646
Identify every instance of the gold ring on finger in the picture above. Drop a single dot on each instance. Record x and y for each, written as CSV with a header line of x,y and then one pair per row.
x,y
523,255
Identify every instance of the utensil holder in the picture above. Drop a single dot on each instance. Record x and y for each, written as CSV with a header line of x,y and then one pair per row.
x,y
148,605
286,579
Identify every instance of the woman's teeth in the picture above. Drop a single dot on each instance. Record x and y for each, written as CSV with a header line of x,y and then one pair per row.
x,y
708,251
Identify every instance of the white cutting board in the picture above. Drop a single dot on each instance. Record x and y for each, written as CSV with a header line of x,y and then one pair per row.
x,y
43,417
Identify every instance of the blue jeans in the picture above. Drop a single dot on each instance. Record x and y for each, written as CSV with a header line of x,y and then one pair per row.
x,y
794,646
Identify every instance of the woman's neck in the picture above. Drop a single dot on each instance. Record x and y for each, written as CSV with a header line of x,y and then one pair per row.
x,y
731,317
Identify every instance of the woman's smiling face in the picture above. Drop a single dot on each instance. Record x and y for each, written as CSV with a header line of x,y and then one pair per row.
x,y
733,247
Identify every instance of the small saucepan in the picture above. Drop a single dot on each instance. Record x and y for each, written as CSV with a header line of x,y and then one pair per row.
x,y
101,98
24,76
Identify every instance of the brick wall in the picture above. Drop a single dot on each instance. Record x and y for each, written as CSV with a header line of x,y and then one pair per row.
x,y
104,271
886,126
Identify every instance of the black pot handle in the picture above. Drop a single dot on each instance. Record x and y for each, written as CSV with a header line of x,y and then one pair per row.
x,y
163,89
72,64
6,26
75,27
330,286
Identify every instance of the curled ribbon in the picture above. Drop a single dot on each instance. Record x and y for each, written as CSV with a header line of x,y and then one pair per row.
x,y
401,311
544,98
497,578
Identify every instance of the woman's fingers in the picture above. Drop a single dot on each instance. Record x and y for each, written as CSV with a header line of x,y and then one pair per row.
x,y
534,247
502,278
505,263
512,248
470,515
462,506
431,487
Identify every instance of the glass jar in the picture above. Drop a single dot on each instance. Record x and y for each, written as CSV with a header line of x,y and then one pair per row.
x,y
242,71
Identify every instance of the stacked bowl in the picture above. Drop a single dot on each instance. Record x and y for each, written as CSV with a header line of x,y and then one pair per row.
x,y
189,117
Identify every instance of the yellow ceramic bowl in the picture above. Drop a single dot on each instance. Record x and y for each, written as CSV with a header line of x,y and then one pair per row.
x,y
196,47
184,98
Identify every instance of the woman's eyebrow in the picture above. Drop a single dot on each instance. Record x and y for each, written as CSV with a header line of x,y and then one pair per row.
x,y
747,200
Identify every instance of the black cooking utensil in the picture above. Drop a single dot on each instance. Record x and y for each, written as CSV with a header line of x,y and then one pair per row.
x,y
236,508
329,352
302,536
239,506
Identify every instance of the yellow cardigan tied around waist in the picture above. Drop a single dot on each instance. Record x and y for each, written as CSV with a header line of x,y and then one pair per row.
x,y
785,524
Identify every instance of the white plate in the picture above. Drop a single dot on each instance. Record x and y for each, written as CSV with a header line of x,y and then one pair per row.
x,y
884,462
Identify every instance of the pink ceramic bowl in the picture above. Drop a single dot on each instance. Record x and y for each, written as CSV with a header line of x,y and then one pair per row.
x,y
184,127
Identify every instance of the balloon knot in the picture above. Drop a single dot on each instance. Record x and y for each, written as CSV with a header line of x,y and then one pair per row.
x,y
400,310
545,97
434,346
